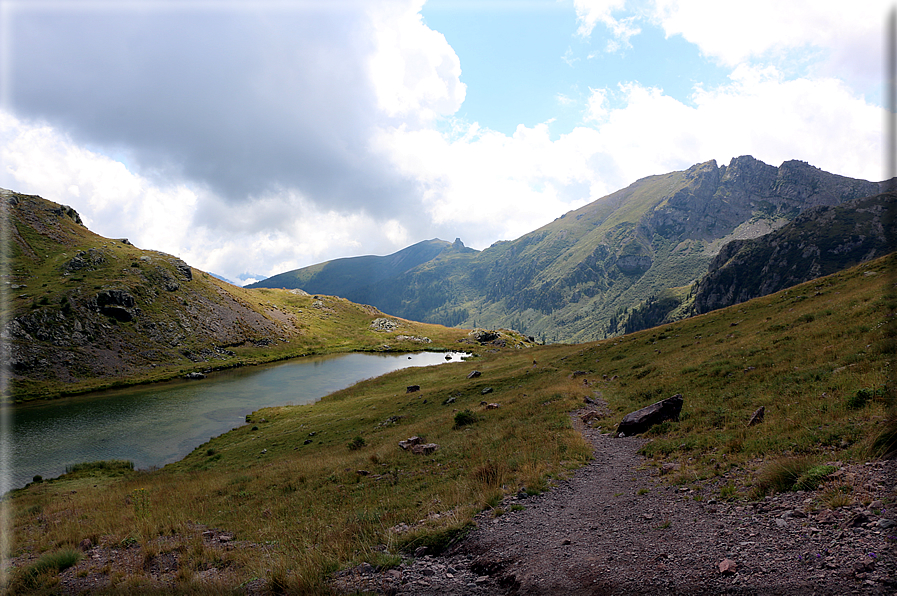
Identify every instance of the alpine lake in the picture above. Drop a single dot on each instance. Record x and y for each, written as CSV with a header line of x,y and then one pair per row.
x,y
153,425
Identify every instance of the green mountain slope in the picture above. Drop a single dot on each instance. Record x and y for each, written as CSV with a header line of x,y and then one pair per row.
x,y
568,280
351,276
82,312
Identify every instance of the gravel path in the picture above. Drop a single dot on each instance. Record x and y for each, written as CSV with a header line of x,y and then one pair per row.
x,y
614,528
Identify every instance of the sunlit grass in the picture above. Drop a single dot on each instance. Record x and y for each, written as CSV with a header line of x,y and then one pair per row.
x,y
289,483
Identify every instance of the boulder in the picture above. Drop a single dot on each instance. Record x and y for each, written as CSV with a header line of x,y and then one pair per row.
x,y
474,374
412,389
757,417
382,324
409,442
194,375
641,420
183,269
424,448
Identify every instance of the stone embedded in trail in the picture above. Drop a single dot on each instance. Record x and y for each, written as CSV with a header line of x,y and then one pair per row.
x,y
728,567
589,416
641,420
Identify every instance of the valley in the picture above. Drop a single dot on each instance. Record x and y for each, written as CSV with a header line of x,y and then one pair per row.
x,y
298,493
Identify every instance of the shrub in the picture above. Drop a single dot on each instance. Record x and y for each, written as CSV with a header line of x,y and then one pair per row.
x,y
858,400
357,443
464,417
813,477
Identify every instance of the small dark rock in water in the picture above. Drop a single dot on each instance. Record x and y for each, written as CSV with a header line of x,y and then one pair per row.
x,y
448,356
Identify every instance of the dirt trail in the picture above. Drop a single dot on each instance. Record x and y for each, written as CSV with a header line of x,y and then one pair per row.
x,y
613,528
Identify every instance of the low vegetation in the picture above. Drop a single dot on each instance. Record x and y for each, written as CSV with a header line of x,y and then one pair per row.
x,y
302,505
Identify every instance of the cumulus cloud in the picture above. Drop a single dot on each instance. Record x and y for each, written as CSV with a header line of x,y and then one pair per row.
x,y
591,12
254,138
244,101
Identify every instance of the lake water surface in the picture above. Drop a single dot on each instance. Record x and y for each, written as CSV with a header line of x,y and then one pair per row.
x,y
154,425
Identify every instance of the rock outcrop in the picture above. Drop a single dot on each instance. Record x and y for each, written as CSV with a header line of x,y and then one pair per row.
x,y
819,242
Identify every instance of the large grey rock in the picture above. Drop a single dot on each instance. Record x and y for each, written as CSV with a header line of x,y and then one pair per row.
x,y
641,420
118,304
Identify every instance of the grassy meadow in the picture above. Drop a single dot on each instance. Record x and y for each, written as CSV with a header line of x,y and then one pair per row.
x,y
307,490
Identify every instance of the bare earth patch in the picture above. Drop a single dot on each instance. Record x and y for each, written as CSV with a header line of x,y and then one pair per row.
x,y
615,528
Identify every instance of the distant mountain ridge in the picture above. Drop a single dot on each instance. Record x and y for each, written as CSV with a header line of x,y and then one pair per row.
x,y
569,280
352,275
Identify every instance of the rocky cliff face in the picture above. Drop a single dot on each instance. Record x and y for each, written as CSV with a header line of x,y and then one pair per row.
x,y
818,242
717,200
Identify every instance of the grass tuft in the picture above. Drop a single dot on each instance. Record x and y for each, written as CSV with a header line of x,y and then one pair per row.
x,y
791,473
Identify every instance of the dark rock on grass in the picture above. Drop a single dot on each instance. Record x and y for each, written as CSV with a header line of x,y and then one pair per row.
x,y
757,417
641,420
412,389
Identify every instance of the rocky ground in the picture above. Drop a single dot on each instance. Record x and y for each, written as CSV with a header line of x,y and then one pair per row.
x,y
616,528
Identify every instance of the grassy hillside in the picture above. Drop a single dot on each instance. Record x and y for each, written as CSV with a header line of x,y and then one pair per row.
x,y
350,276
84,312
306,490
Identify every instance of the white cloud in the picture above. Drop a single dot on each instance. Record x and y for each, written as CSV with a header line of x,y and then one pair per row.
x,y
499,186
735,32
361,168
112,201
597,105
415,73
591,12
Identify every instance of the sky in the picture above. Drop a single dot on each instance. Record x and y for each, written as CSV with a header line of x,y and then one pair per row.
x,y
254,137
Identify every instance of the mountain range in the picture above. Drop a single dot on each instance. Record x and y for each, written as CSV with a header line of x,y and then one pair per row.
x,y
583,276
